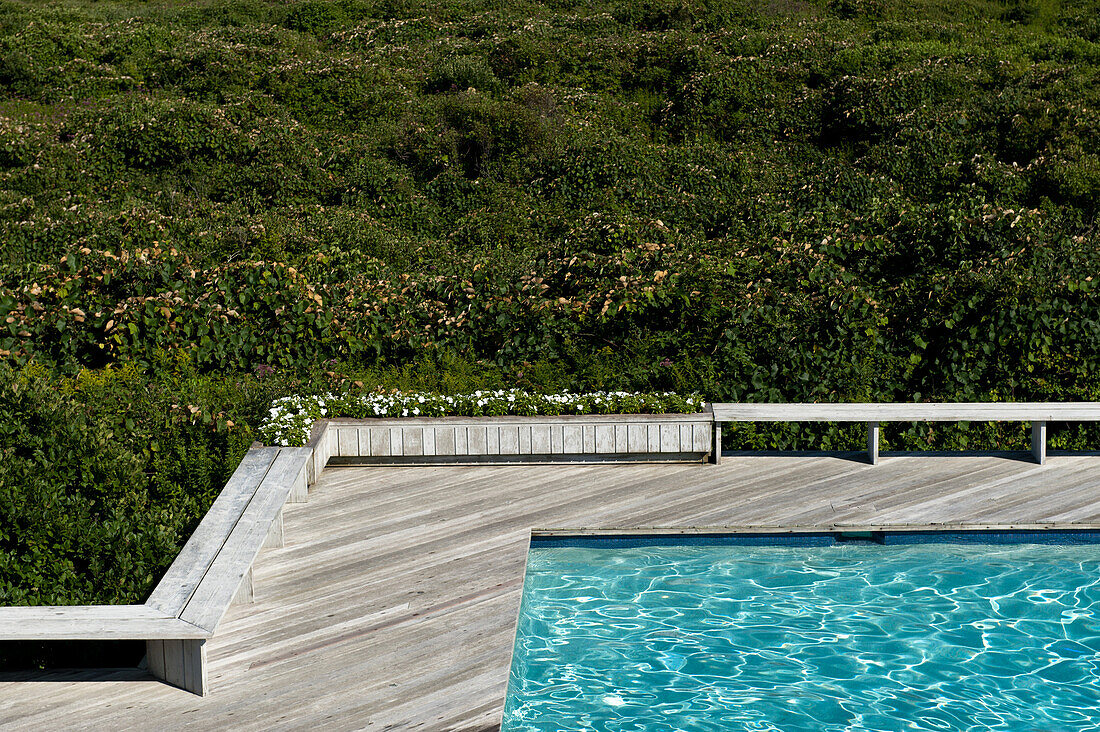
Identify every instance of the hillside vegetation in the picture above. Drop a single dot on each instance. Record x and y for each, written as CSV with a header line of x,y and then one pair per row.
x,y
207,205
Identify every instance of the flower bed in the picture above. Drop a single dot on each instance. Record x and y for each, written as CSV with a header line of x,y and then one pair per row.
x,y
291,418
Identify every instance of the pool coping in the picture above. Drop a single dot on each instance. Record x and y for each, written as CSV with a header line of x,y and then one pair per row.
x,y
810,529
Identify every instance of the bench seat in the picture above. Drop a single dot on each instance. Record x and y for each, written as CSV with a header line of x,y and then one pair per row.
x,y
1037,413
211,572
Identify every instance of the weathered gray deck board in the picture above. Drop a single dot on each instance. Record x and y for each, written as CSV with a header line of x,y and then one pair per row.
x,y
392,603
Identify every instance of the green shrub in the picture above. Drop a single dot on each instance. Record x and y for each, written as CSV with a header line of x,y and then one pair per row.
x,y
457,74
79,525
103,477
314,16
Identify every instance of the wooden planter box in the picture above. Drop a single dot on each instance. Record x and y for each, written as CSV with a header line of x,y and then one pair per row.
x,y
567,438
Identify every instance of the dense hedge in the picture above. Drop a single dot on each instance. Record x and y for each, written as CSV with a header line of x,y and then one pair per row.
x,y
100,483
205,207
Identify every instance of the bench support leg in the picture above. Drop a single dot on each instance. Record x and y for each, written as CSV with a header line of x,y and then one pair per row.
x,y
1039,441
180,663
716,450
872,442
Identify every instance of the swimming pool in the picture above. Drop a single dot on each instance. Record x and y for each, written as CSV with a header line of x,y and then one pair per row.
x,y
914,630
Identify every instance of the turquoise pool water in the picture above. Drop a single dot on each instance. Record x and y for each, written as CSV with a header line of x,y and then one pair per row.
x,y
850,636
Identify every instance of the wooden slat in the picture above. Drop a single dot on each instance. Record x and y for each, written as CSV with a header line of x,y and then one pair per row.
x,y
701,437
93,622
572,439
896,412
195,672
1039,442
540,439
444,440
605,439
274,538
412,439
318,443
12,616
174,663
687,443
669,437
347,440
622,438
154,657
477,440
515,420
246,593
379,442
509,439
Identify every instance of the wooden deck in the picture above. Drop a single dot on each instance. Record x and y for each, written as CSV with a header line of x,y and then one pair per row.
x,y
393,602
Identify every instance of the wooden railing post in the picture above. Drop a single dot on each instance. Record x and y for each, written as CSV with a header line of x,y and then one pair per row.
x,y
1039,441
872,442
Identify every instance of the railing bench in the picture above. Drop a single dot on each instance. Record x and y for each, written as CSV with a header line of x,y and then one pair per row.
x,y
212,571
1038,413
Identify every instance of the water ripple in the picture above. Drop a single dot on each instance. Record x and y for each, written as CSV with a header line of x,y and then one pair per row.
x,y
783,639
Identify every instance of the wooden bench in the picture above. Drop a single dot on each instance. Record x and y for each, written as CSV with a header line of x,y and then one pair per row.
x,y
212,571
1037,413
